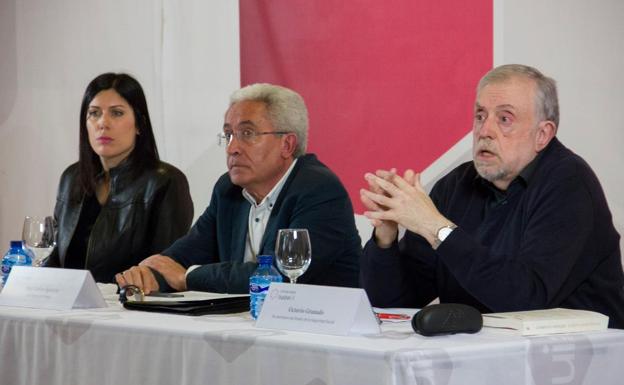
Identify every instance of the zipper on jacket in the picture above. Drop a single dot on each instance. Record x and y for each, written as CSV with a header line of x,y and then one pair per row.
x,y
90,238
102,208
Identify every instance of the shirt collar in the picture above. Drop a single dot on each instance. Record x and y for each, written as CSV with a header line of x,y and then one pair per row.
x,y
271,197
527,172
523,178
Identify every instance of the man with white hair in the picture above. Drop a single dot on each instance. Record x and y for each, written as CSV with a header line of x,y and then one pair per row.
x,y
523,226
271,184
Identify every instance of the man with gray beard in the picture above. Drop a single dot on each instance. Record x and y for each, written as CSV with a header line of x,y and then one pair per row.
x,y
523,226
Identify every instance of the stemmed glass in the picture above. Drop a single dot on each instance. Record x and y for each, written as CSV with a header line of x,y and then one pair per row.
x,y
39,236
293,252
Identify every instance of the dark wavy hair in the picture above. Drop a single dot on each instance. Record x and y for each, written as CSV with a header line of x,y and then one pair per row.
x,y
143,156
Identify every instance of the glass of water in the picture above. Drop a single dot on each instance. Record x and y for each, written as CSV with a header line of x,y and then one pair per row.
x,y
293,252
39,236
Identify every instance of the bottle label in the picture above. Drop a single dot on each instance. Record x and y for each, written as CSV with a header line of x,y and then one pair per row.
x,y
256,288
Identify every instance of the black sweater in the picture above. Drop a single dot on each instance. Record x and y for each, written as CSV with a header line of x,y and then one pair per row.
x,y
548,242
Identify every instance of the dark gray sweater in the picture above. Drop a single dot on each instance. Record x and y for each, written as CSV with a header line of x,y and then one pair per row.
x,y
548,241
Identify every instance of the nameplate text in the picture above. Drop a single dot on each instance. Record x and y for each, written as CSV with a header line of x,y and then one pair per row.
x,y
51,288
318,309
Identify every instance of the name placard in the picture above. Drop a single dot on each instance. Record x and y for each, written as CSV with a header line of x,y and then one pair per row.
x,y
51,288
318,309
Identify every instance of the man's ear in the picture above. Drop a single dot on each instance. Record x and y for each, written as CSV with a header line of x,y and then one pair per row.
x,y
289,145
546,130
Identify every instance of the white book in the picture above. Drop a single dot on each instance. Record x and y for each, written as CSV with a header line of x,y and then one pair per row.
x,y
549,321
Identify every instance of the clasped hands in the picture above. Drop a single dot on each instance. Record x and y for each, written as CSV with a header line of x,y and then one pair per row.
x,y
143,277
394,200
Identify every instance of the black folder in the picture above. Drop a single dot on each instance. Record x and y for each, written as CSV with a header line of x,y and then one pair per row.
x,y
226,305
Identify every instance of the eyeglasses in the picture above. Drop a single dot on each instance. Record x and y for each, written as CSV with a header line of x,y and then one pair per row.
x,y
245,136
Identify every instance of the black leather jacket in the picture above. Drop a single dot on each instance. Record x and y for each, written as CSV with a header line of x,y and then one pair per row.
x,y
142,216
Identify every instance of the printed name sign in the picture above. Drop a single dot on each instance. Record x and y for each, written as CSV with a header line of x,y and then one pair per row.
x,y
51,288
318,309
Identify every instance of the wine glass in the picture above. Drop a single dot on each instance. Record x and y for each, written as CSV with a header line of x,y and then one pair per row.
x,y
293,252
39,236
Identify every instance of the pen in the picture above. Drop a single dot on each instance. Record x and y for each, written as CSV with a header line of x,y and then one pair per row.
x,y
391,316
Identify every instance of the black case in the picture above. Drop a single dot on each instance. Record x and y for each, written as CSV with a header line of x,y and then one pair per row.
x,y
447,318
199,307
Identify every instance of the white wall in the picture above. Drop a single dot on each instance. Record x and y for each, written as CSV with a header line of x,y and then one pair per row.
x,y
581,44
186,55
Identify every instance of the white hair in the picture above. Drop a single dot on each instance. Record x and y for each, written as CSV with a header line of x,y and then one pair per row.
x,y
286,108
546,99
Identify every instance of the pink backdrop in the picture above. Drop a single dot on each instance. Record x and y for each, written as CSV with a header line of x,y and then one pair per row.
x,y
387,83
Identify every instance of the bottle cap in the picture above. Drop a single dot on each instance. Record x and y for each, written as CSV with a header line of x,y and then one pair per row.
x,y
16,244
265,259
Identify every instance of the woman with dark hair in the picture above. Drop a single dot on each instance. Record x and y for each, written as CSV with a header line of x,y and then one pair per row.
x,y
119,204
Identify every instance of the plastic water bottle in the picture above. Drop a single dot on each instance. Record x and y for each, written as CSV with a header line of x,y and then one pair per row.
x,y
259,283
16,256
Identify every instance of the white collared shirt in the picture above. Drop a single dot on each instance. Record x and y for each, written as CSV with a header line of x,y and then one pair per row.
x,y
259,214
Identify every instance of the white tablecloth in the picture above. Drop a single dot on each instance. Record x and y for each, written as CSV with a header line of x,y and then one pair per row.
x,y
116,346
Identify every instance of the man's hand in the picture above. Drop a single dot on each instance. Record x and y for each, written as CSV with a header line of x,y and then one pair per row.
x,y
140,276
385,230
173,272
402,200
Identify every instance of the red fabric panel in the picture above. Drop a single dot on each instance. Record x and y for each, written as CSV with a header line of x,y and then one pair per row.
x,y
387,83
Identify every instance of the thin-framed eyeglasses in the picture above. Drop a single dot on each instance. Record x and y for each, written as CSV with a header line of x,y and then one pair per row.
x,y
245,136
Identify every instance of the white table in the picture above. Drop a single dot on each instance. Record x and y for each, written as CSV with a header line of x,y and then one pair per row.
x,y
116,346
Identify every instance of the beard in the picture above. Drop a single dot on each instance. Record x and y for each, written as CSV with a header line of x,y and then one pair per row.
x,y
487,169
486,172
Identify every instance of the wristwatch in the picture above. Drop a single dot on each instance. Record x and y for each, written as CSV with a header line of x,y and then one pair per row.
x,y
442,233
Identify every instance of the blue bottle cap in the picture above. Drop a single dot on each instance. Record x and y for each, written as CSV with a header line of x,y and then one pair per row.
x,y
265,259
16,244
